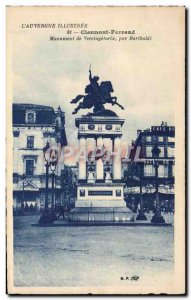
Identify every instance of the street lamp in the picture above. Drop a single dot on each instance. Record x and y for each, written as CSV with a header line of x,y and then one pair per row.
x,y
23,178
47,216
157,218
64,186
141,215
53,162
46,160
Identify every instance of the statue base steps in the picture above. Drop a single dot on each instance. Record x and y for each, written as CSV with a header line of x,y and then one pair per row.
x,y
100,203
101,214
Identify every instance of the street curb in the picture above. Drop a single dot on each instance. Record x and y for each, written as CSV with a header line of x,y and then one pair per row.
x,y
89,224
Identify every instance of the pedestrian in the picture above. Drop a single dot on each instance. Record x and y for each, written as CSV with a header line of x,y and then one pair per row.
x,y
61,212
31,207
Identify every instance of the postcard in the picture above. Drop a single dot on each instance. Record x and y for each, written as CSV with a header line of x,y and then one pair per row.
x,y
95,150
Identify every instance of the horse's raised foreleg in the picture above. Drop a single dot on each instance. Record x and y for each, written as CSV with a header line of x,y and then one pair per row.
x,y
115,102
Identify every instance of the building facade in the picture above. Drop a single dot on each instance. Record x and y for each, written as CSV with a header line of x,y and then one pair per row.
x,y
33,127
141,165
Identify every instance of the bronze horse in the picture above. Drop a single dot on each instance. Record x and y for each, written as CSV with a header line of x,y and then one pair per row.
x,y
96,99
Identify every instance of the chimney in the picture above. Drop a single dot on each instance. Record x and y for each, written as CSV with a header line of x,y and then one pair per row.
x,y
138,132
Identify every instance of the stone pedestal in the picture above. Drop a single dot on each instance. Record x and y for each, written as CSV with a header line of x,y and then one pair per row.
x,y
101,214
100,195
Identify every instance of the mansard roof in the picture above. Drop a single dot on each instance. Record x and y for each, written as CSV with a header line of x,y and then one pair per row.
x,y
44,114
31,106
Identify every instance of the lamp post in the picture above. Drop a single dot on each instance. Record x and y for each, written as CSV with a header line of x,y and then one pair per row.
x,y
53,180
141,215
46,217
53,168
157,218
64,185
46,188
23,178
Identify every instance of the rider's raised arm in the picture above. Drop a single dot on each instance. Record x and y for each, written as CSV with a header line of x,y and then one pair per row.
x,y
90,76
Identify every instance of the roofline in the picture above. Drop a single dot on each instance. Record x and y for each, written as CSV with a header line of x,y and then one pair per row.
x,y
32,104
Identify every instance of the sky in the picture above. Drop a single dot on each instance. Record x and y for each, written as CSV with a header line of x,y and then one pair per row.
x,y
145,74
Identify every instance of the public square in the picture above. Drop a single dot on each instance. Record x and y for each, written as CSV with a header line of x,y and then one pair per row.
x,y
89,256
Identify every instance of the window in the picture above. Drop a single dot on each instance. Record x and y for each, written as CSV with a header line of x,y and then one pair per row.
x,y
149,151
30,117
148,170
170,152
148,138
166,171
161,152
173,170
160,139
29,167
171,139
30,142
161,171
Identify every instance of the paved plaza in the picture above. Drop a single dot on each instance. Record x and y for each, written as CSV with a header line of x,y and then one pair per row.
x,y
89,256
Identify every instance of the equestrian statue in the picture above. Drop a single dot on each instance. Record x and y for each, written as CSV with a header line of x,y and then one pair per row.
x,y
96,96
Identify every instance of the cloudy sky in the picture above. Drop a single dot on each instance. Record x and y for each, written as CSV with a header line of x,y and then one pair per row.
x,y
145,74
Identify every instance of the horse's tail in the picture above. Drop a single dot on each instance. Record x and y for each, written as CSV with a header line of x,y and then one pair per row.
x,y
119,105
75,100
